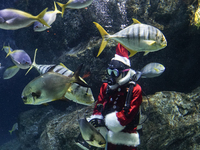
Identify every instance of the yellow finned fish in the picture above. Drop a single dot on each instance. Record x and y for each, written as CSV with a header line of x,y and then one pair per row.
x,y
197,18
75,92
49,17
13,19
19,57
14,127
49,87
152,70
90,134
135,38
75,4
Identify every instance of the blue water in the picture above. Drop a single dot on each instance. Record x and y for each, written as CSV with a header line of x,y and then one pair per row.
x,y
11,104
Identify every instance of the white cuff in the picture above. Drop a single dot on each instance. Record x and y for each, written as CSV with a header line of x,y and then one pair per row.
x,y
112,122
94,116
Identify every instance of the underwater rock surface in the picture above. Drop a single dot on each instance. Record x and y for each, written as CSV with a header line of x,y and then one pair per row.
x,y
173,123
31,124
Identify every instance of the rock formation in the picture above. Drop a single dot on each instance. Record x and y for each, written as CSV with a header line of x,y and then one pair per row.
x,y
173,123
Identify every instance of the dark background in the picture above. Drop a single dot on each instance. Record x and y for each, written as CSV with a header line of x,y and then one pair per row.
x,y
180,57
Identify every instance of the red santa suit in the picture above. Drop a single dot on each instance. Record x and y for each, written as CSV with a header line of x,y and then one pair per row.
x,y
121,129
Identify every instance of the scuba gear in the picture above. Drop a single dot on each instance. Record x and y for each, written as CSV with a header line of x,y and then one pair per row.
x,y
115,72
128,97
121,81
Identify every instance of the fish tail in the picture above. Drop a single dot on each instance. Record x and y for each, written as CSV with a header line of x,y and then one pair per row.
x,y
56,9
62,6
78,79
40,18
103,35
10,132
33,63
9,52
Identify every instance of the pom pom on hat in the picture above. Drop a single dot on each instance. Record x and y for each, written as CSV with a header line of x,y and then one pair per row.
x,y
122,55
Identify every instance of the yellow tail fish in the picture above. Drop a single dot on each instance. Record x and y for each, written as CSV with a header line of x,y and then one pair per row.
x,y
135,38
75,4
49,17
49,87
13,19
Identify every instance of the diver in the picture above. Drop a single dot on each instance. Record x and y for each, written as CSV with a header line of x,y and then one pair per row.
x,y
116,113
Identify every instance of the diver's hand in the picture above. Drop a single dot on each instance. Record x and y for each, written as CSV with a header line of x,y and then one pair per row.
x,y
97,122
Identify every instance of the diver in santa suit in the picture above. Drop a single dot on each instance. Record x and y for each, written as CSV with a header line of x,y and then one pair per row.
x,y
117,107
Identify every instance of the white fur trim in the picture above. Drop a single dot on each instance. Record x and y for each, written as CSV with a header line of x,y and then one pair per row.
x,y
112,122
93,117
124,60
123,138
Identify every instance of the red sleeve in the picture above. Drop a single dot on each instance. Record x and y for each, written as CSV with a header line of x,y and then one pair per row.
x,y
134,107
101,99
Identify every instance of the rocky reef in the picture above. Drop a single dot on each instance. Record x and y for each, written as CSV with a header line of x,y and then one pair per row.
x,y
173,123
173,117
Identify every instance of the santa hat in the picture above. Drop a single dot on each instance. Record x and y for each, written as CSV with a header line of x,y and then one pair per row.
x,y
122,55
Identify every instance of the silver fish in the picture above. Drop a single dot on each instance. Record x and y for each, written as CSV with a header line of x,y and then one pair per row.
x,y
135,38
13,19
90,134
75,4
19,57
49,17
75,92
49,87
151,70
14,127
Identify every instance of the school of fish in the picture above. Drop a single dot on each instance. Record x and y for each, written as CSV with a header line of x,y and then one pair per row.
x,y
57,82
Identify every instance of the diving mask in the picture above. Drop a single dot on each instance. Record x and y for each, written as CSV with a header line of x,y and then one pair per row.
x,y
115,72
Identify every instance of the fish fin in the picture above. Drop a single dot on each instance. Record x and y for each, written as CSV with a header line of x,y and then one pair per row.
x,y
150,42
146,52
56,9
62,6
9,52
6,48
12,69
63,66
138,75
103,34
33,63
132,53
10,21
135,21
10,131
157,70
40,17
78,79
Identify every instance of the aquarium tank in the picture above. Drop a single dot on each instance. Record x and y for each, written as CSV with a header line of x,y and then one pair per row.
x,y
100,74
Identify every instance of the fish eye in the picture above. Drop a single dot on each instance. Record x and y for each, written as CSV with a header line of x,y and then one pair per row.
x,y
24,98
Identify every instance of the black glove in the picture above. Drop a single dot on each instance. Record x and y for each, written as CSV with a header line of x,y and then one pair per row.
x,y
97,122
